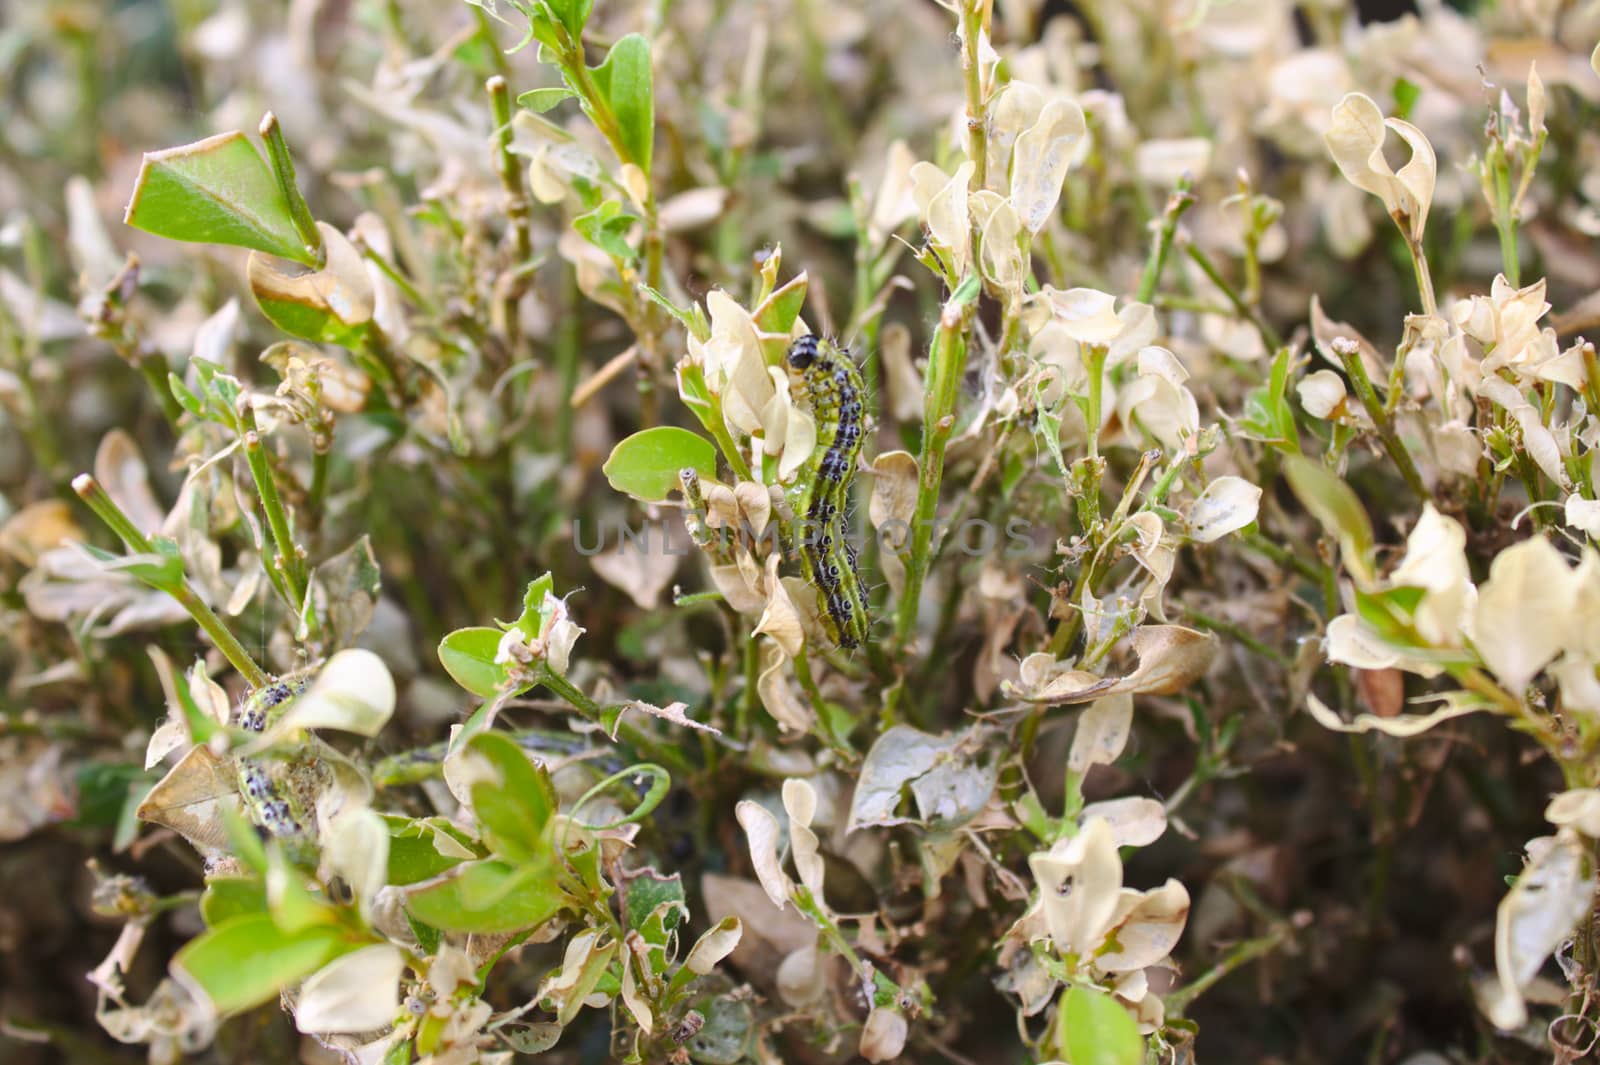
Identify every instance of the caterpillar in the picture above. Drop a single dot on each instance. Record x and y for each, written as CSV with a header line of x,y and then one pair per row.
x,y
279,788
825,380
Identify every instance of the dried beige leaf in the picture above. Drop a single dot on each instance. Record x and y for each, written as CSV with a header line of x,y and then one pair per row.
x,y
1080,878
354,692
1171,658
800,803
801,977
1577,808
1102,732
1227,505
642,574
1322,394
39,527
1135,821
761,832
190,798
359,992
904,392
1524,612
1553,893
894,496
1040,159
1355,140
777,695
1147,926
883,1037
1403,725
342,288
675,713
719,941
120,469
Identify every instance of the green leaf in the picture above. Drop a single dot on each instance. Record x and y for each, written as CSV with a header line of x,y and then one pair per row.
x,y
648,889
1405,97
542,100
413,853
1267,414
778,311
487,896
654,906
104,789
606,227
215,191
535,613
624,81
1094,1029
693,319
247,960
513,809
227,897
1336,507
332,305
572,14
468,656
646,464
292,905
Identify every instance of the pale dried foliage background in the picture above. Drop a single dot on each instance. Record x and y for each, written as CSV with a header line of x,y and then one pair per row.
x,y
1326,279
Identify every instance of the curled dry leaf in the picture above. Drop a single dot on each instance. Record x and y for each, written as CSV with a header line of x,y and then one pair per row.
x,y
761,831
1538,913
719,941
1459,704
777,694
1171,657
1146,927
883,1037
1355,140
354,692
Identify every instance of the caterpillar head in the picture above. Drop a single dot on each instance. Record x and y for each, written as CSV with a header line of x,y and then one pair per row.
x,y
803,353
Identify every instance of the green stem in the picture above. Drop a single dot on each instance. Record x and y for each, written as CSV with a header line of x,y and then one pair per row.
x,y
518,209
947,361
569,349
1268,335
1181,200
1350,355
283,170
972,76
1505,215
1419,264
106,509
1242,954
289,563
1094,363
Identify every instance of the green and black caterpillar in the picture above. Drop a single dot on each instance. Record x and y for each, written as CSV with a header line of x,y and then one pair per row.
x,y
279,788
825,381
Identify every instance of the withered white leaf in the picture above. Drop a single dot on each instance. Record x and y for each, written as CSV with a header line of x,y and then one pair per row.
x,y
359,992
1102,732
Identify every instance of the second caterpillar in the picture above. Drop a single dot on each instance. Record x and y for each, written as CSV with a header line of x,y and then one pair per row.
x,y
828,384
